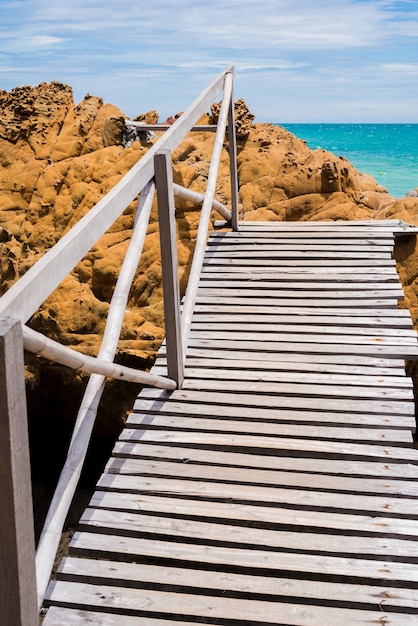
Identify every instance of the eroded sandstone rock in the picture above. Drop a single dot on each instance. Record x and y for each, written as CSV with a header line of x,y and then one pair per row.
x,y
58,159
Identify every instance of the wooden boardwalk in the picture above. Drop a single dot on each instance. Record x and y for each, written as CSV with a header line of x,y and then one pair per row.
x,y
279,485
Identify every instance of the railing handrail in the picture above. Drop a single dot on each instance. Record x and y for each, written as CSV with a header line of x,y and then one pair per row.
x,y
30,291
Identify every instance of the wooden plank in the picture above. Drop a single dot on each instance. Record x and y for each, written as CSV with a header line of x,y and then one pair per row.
x,y
154,407
247,332
334,264
303,498
300,290
277,322
140,525
256,444
171,289
130,548
267,516
266,477
99,572
57,616
378,349
318,303
396,468
333,236
405,351
212,273
302,387
303,271
239,370
390,407
400,316
18,596
345,360
356,433
297,254
141,601
250,291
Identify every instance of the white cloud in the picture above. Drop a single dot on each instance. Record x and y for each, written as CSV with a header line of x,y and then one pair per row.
x,y
300,54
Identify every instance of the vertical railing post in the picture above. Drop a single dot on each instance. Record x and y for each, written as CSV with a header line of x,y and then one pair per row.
x,y
232,141
18,601
166,217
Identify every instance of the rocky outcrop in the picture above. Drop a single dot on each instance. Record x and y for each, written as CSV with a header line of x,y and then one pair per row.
x,y
58,159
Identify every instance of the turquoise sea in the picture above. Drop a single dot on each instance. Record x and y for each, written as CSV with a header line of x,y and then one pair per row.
x,y
389,152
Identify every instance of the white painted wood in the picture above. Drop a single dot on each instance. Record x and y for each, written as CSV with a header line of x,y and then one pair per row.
x,y
169,261
198,198
70,475
18,605
202,233
50,349
233,169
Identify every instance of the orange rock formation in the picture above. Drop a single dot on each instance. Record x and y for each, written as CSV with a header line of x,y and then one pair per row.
x,y
58,159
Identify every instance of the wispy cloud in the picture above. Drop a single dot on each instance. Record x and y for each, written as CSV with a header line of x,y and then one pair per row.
x,y
302,58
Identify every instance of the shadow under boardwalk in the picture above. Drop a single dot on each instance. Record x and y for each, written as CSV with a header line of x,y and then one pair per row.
x,y
279,485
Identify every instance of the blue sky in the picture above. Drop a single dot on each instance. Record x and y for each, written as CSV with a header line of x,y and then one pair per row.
x,y
295,61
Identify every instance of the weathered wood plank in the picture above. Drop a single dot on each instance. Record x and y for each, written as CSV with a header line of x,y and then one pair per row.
x,y
391,377
247,333
18,597
141,467
226,273
299,324
57,616
318,303
406,350
154,407
298,254
131,524
339,263
141,601
304,498
398,316
267,516
373,467
188,422
99,572
299,388
326,404
131,548
346,360
257,444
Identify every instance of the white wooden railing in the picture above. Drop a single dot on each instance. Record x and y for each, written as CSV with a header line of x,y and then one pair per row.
x,y
24,577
